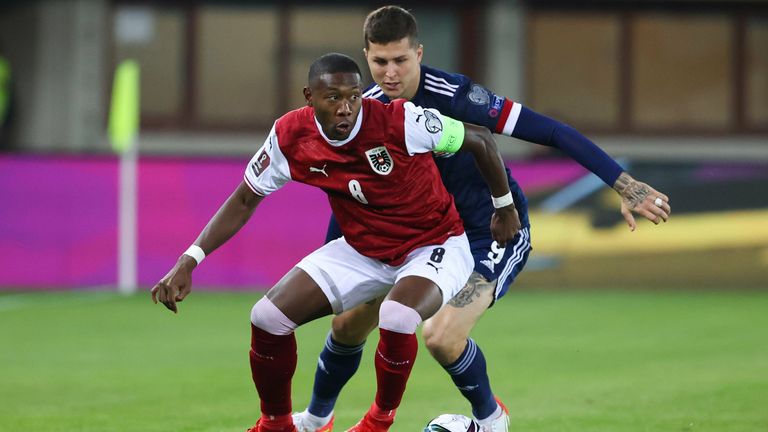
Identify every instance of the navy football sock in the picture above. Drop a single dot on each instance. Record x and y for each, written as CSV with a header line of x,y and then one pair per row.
x,y
336,365
471,378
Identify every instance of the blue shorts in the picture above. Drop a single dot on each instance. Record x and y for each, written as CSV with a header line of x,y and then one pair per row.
x,y
501,265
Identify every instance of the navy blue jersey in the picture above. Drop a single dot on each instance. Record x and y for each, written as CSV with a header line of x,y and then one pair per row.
x,y
456,96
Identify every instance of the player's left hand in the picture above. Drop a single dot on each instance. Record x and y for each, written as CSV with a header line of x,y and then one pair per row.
x,y
505,224
647,202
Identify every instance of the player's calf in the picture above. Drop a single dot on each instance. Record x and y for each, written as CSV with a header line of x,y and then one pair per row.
x,y
444,346
446,333
353,326
395,353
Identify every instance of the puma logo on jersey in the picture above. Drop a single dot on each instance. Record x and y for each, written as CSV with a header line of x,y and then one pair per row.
x,y
437,269
319,170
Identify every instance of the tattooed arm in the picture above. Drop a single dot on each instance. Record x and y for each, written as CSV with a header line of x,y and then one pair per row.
x,y
640,198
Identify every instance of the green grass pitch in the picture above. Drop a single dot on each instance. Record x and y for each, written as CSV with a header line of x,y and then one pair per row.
x,y
562,361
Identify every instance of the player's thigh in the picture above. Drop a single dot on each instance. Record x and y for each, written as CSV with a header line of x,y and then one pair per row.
x,y
431,275
455,320
299,297
418,293
345,277
352,327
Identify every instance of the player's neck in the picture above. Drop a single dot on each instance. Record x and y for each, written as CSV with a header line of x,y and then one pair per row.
x,y
341,142
410,93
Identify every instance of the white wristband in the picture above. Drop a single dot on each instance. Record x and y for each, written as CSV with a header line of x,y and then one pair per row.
x,y
502,201
196,252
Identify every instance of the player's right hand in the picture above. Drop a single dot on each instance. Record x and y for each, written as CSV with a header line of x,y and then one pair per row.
x,y
176,285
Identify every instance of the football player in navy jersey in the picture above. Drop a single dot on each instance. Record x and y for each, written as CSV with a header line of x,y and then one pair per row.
x,y
394,54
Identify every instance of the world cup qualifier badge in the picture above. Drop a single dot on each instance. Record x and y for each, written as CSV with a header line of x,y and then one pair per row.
x,y
380,160
260,162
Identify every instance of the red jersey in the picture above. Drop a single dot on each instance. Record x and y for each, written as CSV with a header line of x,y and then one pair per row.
x,y
382,183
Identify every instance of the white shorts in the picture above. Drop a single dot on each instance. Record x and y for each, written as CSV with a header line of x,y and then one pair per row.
x,y
348,278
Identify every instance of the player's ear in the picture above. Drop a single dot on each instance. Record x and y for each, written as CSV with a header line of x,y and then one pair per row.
x,y
365,53
308,96
419,53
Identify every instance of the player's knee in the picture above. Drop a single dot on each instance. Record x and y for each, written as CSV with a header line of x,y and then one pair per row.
x,y
350,329
434,337
445,346
266,316
432,334
397,317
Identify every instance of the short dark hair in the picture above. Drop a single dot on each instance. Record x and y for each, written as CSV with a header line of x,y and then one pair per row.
x,y
332,63
390,24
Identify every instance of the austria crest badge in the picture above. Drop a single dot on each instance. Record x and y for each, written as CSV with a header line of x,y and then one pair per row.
x,y
380,160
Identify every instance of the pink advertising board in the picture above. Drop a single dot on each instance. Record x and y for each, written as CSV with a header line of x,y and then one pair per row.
x,y
58,220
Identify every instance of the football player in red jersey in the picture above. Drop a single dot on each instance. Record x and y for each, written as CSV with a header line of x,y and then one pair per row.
x,y
403,238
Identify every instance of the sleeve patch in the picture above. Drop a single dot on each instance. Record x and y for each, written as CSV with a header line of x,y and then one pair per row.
x,y
432,122
260,162
478,95
495,107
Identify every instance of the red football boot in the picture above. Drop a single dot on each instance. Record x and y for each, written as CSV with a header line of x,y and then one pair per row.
x,y
259,428
372,424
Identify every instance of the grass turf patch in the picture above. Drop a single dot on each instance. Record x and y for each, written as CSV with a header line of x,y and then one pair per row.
x,y
562,361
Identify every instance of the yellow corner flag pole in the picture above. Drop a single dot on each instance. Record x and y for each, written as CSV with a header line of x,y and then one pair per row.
x,y
124,110
123,134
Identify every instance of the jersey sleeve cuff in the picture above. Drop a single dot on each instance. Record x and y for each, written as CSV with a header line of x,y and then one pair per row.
x,y
510,112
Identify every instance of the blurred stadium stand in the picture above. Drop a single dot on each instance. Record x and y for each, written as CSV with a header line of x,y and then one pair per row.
x,y
679,89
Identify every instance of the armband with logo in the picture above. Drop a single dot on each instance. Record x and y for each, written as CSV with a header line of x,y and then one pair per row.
x,y
453,136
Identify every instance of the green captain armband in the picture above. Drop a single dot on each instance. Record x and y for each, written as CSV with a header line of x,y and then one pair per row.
x,y
453,136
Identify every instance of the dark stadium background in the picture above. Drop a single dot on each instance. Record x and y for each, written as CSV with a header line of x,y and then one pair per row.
x,y
660,329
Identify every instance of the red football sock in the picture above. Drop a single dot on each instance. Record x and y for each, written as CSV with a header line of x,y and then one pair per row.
x,y
273,362
395,356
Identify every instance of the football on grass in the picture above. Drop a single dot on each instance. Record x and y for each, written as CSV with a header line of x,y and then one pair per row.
x,y
452,423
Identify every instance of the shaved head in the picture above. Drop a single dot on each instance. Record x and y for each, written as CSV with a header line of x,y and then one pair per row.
x,y
332,63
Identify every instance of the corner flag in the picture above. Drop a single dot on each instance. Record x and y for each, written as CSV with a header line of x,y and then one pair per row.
x,y
124,109
123,133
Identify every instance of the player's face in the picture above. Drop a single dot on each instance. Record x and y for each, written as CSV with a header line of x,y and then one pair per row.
x,y
395,67
336,99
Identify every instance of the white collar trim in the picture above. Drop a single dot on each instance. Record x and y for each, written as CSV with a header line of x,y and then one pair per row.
x,y
352,135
